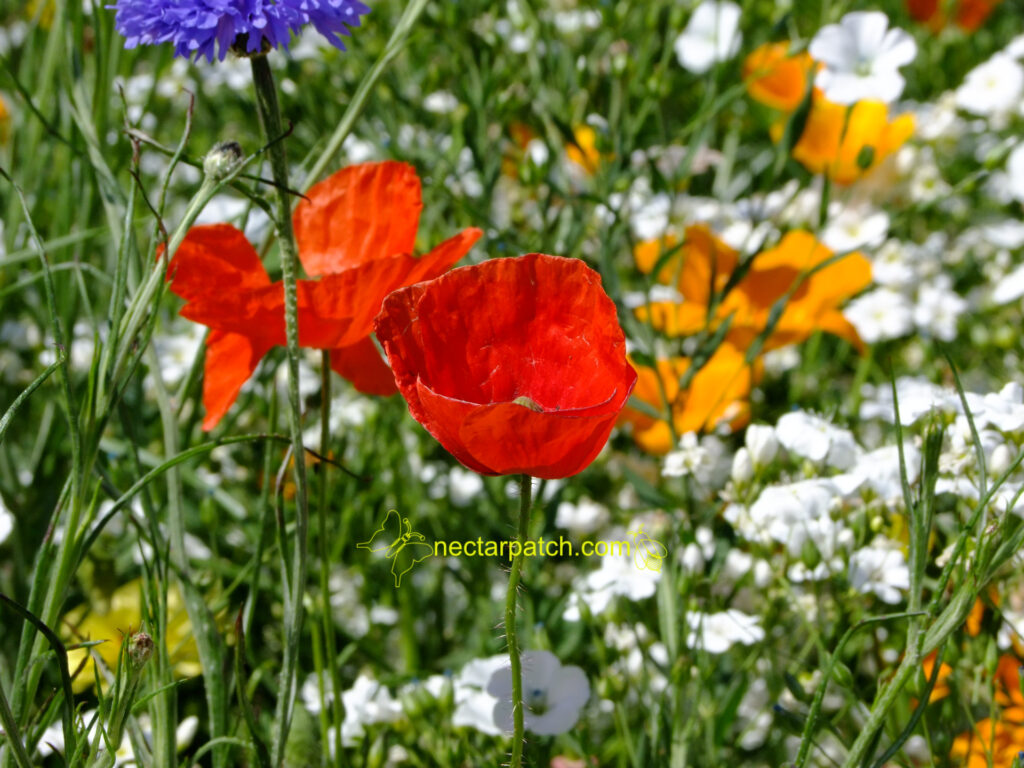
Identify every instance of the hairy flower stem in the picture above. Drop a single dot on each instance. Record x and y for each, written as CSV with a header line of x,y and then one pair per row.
x,y
525,494
270,119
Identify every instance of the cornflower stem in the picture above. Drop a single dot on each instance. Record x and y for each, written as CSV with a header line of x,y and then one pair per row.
x,y
525,499
270,119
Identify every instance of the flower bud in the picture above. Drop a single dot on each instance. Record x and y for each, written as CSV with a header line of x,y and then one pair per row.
x,y
140,649
1002,460
742,467
222,159
762,444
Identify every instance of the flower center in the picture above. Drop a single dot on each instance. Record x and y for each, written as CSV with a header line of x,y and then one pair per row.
x,y
526,402
536,701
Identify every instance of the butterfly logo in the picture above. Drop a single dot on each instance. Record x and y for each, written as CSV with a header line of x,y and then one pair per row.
x,y
404,548
647,552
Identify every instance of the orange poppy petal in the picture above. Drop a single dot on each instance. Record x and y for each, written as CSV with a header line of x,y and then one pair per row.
x,y
360,213
362,365
231,359
212,260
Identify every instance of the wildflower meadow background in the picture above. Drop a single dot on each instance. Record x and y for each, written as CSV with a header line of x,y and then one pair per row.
x,y
291,291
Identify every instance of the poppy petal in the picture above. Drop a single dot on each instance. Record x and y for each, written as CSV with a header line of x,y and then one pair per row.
x,y
354,297
510,439
213,260
362,365
361,213
231,359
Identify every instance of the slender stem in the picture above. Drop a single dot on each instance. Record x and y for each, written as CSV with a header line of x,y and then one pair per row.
x,y
270,119
525,493
330,640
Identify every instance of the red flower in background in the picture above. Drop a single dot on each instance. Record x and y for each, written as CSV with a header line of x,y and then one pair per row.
x,y
514,365
969,15
356,232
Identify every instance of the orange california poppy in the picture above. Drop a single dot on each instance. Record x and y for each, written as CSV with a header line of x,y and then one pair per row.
x,y
717,394
356,233
812,306
941,689
1000,739
847,147
775,78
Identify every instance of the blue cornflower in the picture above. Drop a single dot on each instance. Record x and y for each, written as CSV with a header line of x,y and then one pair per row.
x,y
198,27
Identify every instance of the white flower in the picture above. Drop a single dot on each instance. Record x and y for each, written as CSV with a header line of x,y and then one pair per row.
x,y
1010,288
569,22
762,443
52,739
582,518
718,632
618,574
856,228
1003,410
6,522
880,470
796,514
474,706
880,314
357,150
892,266
993,87
817,439
915,396
705,459
1015,172
658,293
538,152
367,702
463,486
553,695
177,352
881,569
711,35
440,102
938,309
686,459
861,58
755,715
742,467
650,219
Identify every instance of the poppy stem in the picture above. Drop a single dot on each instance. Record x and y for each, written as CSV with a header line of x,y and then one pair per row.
x,y
525,502
270,120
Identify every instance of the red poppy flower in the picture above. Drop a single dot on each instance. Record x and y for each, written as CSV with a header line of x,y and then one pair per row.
x,y
514,365
356,232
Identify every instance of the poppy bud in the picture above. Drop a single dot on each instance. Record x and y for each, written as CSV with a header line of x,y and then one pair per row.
x,y
222,159
140,649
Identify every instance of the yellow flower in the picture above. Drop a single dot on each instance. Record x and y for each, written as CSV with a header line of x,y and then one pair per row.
x,y
716,395
44,9
708,263
848,147
113,619
584,152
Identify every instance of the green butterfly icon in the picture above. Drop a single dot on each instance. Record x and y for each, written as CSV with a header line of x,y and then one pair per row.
x,y
404,550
